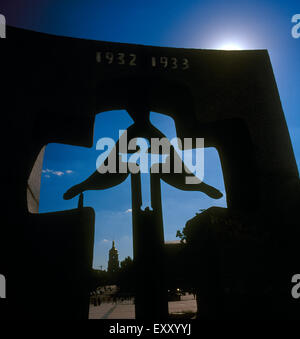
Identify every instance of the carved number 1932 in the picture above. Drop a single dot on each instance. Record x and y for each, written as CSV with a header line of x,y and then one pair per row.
x,y
116,58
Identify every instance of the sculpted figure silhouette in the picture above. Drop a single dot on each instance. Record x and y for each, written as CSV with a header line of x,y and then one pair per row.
x,y
142,128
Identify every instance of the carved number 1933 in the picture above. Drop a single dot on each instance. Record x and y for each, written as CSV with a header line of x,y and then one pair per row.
x,y
170,62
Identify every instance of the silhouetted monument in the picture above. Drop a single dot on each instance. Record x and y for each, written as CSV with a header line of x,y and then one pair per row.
x,y
52,89
80,201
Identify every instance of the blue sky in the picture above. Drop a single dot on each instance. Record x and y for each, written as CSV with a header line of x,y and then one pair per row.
x,y
181,23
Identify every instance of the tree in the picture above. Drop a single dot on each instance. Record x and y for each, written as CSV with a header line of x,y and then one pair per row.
x,y
184,234
126,276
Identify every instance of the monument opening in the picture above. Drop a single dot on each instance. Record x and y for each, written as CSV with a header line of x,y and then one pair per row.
x,y
63,166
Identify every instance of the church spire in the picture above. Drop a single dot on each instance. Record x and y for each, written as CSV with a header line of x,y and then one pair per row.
x,y
113,262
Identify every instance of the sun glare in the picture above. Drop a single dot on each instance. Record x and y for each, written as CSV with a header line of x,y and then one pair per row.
x,y
230,47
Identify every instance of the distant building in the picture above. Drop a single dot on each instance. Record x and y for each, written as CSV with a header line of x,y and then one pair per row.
x,y
113,261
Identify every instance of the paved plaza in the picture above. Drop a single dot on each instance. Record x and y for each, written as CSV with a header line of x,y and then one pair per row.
x,y
125,309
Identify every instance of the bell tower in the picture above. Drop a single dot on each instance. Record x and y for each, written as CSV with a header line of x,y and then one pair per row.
x,y
113,261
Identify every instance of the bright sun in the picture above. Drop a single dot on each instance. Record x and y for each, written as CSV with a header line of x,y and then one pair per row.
x,y
230,47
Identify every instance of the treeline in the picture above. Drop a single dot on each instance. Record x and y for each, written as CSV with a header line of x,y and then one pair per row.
x,y
123,277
